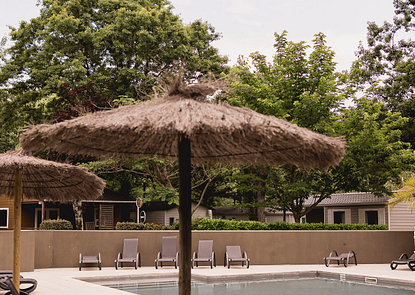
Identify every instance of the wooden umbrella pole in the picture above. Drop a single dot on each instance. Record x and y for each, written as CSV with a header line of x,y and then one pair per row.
x,y
17,227
185,219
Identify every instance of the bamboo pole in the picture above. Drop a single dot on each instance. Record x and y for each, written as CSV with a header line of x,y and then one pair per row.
x,y
17,227
185,220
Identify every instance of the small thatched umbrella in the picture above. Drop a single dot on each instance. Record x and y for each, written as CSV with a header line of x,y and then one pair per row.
x,y
178,126
24,175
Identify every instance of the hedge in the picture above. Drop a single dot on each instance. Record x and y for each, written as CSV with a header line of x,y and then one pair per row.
x,y
223,224
141,226
56,224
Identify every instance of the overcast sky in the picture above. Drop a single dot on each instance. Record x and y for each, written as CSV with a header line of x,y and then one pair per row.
x,y
249,25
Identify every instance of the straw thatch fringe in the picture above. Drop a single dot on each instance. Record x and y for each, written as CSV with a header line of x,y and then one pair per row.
x,y
217,132
47,180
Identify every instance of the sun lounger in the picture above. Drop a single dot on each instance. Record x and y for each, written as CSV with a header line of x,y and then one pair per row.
x,y
129,254
204,253
234,254
168,252
89,260
7,273
7,284
403,259
344,258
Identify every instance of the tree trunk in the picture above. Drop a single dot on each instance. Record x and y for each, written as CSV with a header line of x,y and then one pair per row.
x,y
79,220
260,193
260,199
296,216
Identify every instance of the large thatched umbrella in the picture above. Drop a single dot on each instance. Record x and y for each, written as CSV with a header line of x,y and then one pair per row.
x,y
178,126
24,175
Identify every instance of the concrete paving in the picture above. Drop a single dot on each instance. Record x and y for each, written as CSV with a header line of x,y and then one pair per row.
x,y
72,281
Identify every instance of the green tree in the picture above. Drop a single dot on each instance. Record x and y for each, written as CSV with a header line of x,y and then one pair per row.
x,y
304,90
386,66
155,179
375,154
124,46
308,92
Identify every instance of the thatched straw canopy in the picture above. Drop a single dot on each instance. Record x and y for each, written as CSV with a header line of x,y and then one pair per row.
x,y
49,180
217,132
24,175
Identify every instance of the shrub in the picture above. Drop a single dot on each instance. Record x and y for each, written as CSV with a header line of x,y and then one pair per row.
x,y
141,226
223,224
56,224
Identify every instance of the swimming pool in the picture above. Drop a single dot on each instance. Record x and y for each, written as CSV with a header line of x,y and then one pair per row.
x,y
275,287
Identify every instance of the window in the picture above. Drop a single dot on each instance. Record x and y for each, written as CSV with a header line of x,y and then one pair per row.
x,y
339,217
372,215
4,217
171,220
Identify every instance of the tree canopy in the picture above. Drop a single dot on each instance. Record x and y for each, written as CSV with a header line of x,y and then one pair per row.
x,y
385,68
124,47
307,91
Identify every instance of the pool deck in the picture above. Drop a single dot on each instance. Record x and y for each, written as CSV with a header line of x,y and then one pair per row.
x,y
67,280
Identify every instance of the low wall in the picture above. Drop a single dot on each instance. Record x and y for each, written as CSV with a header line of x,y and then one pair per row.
x,y
54,249
27,251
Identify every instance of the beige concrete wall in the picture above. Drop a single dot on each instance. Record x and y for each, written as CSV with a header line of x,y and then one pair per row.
x,y
309,247
62,248
27,254
53,249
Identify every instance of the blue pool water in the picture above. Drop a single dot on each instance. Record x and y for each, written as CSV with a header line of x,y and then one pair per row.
x,y
295,287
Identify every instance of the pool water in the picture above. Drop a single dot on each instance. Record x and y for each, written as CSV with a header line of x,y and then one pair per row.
x,y
288,287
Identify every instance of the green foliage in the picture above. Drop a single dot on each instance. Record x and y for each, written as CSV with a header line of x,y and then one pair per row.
x,y
306,90
157,180
125,47
376,152
385,67
301,88
296,87
148,178
162,193
222,224
56,224
119,44
141,226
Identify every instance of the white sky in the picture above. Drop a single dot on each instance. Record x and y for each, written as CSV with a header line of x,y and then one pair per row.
x,y
249,25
